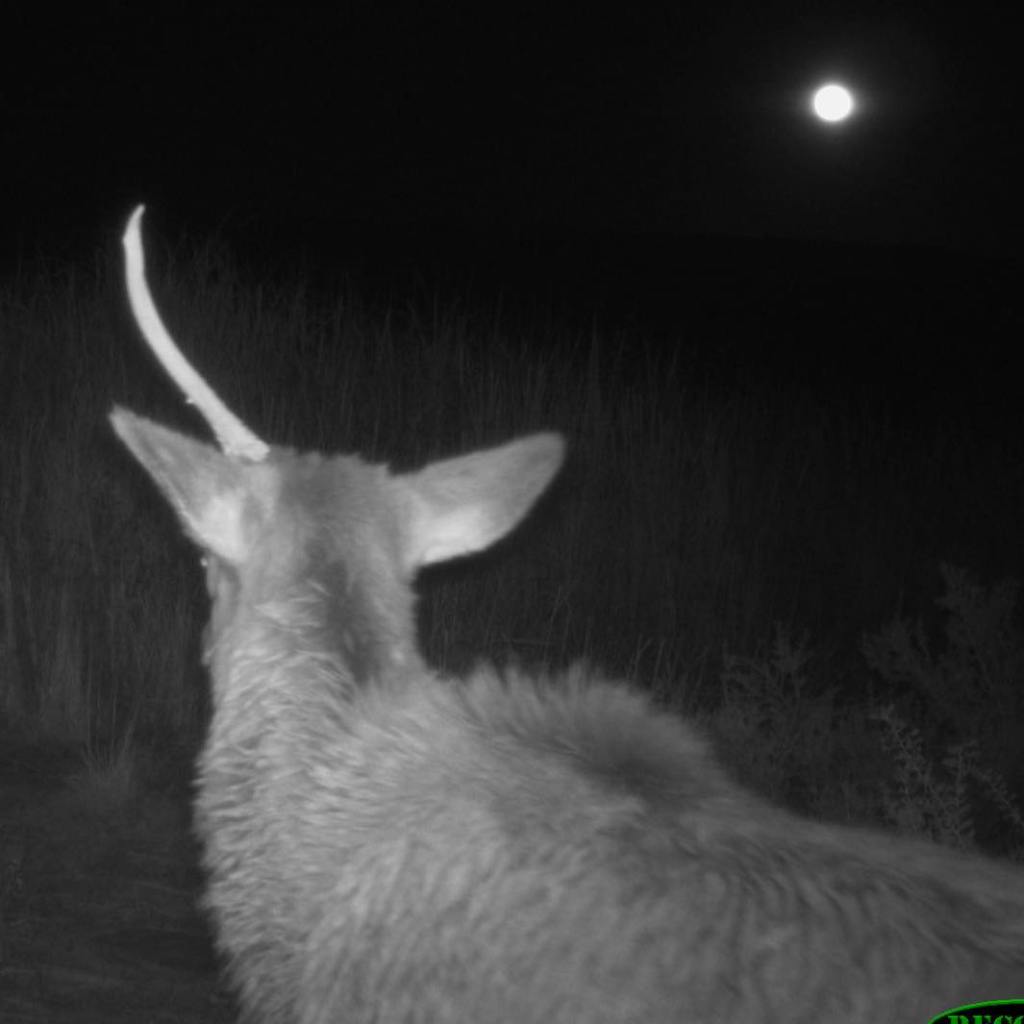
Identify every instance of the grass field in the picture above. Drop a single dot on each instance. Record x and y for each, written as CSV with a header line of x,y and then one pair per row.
x,y
822,581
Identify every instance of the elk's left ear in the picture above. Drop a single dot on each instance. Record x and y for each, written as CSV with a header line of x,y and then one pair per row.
x,y
458,506
210,492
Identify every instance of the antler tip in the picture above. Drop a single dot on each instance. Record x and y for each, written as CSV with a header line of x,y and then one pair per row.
x,y
132,228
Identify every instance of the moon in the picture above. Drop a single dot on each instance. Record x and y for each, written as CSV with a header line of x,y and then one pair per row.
x,y
832,102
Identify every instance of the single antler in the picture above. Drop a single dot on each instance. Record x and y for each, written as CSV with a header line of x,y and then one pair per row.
x,y
233,436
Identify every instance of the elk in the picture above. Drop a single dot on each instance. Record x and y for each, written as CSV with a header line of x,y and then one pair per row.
x,y
386,844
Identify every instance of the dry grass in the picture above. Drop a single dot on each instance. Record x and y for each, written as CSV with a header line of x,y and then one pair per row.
x,y
689,523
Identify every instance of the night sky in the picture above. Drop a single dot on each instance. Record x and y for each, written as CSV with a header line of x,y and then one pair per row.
x,y
686,119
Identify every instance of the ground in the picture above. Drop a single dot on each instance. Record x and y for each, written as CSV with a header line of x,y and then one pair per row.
x,y
98,900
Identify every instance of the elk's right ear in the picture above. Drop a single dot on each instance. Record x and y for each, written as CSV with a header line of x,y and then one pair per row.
x,y
461,505
208,490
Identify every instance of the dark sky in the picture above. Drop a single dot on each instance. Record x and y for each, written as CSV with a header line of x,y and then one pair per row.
x,y
679,118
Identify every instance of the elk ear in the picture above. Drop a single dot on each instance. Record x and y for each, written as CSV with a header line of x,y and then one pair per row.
x,y
465,504
208,490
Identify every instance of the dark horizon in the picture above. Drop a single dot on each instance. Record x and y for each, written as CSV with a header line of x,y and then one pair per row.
x,y
659,171
499,122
